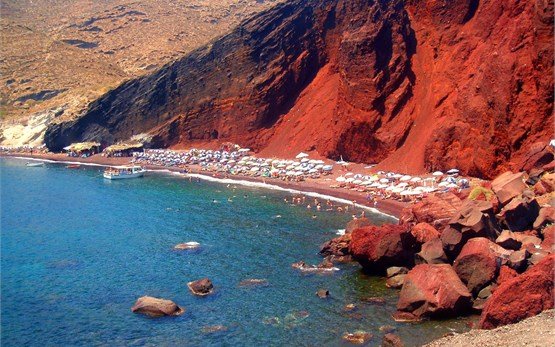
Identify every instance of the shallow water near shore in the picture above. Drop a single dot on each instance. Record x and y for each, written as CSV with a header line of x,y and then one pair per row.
x,y
78,250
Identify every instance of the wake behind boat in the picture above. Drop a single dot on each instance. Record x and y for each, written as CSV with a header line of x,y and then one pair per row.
x,y
121,172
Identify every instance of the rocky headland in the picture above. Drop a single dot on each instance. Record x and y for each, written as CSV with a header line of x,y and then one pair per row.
x,y
487,250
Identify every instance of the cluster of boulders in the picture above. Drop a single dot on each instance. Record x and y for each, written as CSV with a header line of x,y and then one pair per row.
x,y
488,250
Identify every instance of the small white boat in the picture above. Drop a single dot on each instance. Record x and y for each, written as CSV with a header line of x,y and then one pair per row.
x,y
29,164
121,172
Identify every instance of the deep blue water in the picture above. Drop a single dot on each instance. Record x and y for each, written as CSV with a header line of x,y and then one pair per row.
x,y
78,250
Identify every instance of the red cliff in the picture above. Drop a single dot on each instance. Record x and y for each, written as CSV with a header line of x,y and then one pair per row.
x,y
413,85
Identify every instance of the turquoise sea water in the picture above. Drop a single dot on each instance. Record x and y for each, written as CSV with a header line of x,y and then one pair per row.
x,y
78,250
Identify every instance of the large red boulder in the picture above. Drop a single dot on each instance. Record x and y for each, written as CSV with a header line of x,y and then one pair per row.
x,y
548,243
519,214
357,223
521,297
435,209
508,185
424,232
478,263
431,253
433,291
378,247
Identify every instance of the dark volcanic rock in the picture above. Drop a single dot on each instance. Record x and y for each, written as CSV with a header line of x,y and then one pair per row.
x,y
338,247
521,297
519,214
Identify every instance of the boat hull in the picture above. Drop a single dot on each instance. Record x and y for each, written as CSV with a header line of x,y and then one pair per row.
x,y
125,176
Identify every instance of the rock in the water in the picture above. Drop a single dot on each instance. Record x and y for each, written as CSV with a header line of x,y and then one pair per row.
x,y
396,270
323,293
478,264
508,185
433,291
201,287
338,247
377,248
391,340
508,240
187,246
214,329
395,282
358,337
431,253
519,214
521,297
424,232
357,223
155,307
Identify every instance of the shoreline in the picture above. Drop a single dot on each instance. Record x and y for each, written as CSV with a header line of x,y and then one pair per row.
x,y
310,188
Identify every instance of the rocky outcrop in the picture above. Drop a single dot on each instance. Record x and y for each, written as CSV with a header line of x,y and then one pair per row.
x,y
156,307
411,84
521,297
201,287
432,291
377,248
478,263
434,209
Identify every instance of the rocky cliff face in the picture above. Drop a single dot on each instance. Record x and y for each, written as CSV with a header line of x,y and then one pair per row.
x,y
413,85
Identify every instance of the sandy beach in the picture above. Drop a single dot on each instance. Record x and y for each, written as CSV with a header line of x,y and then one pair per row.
x,y
319,186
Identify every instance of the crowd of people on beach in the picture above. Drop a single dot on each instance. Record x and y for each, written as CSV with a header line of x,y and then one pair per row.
x,y
238,162
375,186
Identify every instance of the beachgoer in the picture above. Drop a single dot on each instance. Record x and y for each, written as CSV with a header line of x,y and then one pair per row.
x,y
308,206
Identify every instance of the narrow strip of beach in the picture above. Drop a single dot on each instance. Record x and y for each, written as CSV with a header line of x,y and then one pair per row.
x,y
312,186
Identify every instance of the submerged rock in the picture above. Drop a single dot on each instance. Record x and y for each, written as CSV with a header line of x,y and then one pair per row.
x,y
201,287
251,282
187,246
358,337
214,329
155,307
323,293
391,340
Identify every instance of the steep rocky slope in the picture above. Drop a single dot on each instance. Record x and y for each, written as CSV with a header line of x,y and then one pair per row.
x,y
413,85
59,55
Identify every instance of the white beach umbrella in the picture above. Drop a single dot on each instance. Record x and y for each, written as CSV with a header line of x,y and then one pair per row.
x,y
340,179
349,180
349,174
301,155
357,182
437,173
384,180
405,178
416,179
305,160
312,171
255,168
327,168
443,184
402,184
453,172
